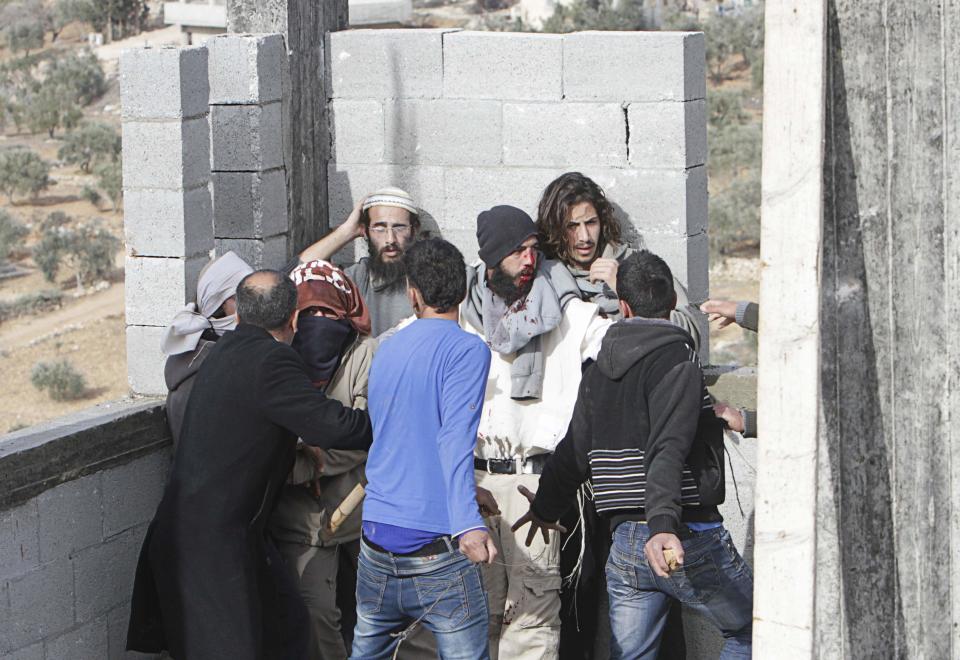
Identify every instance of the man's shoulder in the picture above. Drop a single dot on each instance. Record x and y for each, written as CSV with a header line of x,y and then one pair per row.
x,y
359,269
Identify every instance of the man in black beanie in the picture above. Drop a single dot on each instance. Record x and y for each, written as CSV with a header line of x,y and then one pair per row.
x,y
539,333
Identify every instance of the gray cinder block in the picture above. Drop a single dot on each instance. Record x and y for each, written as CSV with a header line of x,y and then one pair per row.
x,y
145,360
71,517
249,204
85,642
259,253
346,187
357,130
168,223
19,540
383,64
171,155
164,83
672,202
246,68
40,606
503,65
634,66
688,258
246,138
132,492
667,134
567,134
157,287
443,132
104,574
470,190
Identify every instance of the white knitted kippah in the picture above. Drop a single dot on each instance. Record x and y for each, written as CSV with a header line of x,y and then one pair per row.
x,y
391,197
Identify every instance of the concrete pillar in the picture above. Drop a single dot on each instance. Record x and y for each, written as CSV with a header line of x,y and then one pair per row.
x,y
304,24
789,361
246,159
167,210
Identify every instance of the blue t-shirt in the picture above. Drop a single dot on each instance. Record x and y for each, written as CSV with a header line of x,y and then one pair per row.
x,y
427,385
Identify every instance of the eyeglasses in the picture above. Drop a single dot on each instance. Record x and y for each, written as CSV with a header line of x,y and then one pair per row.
x,y
398,230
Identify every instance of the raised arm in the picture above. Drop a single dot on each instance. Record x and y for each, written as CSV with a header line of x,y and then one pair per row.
x,y
336,239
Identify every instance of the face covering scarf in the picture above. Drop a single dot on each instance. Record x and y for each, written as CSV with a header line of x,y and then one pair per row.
x,y
321,343
217,282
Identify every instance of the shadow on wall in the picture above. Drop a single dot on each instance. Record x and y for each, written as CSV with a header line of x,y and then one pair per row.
x,y
858,603
394,174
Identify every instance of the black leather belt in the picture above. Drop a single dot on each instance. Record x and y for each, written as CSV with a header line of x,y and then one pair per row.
x,y
529,465
436,547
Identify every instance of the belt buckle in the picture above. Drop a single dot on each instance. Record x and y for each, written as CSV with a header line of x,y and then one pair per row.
x,y
521,465
489,471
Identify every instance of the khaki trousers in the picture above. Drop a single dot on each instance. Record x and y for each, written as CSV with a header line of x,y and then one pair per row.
x,y
523,585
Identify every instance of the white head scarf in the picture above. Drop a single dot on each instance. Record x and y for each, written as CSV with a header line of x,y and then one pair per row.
x,y
218,281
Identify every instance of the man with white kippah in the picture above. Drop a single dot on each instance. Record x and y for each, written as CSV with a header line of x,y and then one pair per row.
x,y
389,220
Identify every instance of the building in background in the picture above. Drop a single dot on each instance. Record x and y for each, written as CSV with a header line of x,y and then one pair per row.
x,y
199,19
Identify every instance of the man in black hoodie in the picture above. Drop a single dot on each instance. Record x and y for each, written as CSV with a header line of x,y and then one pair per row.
x,y
644,433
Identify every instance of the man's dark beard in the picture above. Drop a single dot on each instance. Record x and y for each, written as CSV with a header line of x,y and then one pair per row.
x,y
503,287
389,276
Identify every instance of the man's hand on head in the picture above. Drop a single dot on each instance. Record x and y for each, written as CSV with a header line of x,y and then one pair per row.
x,y
724,311
654,551
605,270
487,503
478,546
535,523
352,223
730,415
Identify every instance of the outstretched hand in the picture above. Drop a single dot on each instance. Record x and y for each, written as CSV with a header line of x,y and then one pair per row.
x,y
724,311
535,523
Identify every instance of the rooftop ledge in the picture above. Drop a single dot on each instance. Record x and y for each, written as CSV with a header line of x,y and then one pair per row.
x,y
38,458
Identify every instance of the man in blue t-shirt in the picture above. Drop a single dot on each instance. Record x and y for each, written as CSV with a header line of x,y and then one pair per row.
x,y
423,534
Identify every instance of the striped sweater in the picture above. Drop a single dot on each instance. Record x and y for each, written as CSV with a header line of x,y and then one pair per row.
x,y
643,432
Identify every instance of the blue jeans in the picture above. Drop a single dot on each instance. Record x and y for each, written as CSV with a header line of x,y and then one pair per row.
x,y
446,590
714,580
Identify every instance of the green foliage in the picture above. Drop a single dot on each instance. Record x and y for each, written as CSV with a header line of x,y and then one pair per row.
x,y
90,144
735,215
725,107
91,195
110,180
24,34
735,146
88,249
115,18
734,39
23,172
31,303
60,379
596,15
46,93
12,234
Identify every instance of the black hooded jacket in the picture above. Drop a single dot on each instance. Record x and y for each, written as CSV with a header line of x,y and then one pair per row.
x,y
643,431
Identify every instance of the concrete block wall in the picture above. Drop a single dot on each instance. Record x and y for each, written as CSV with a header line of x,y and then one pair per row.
x,y
466,120
67,562
167,213
246,158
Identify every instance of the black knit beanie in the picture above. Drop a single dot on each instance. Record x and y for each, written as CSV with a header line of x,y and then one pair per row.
x,y
500,231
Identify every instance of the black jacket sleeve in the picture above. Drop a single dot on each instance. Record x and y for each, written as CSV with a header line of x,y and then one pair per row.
x,y
289,399
674,406
569,465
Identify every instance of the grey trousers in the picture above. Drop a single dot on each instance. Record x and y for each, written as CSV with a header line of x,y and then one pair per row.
x,y
315,571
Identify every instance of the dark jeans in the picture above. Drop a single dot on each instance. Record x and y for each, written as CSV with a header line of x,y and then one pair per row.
x,y
445,591
714,580
582,615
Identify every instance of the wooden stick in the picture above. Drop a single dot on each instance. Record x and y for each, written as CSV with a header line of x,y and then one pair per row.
x,y
345,508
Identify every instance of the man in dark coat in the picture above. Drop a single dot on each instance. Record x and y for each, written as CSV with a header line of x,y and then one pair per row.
x,y
204,587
